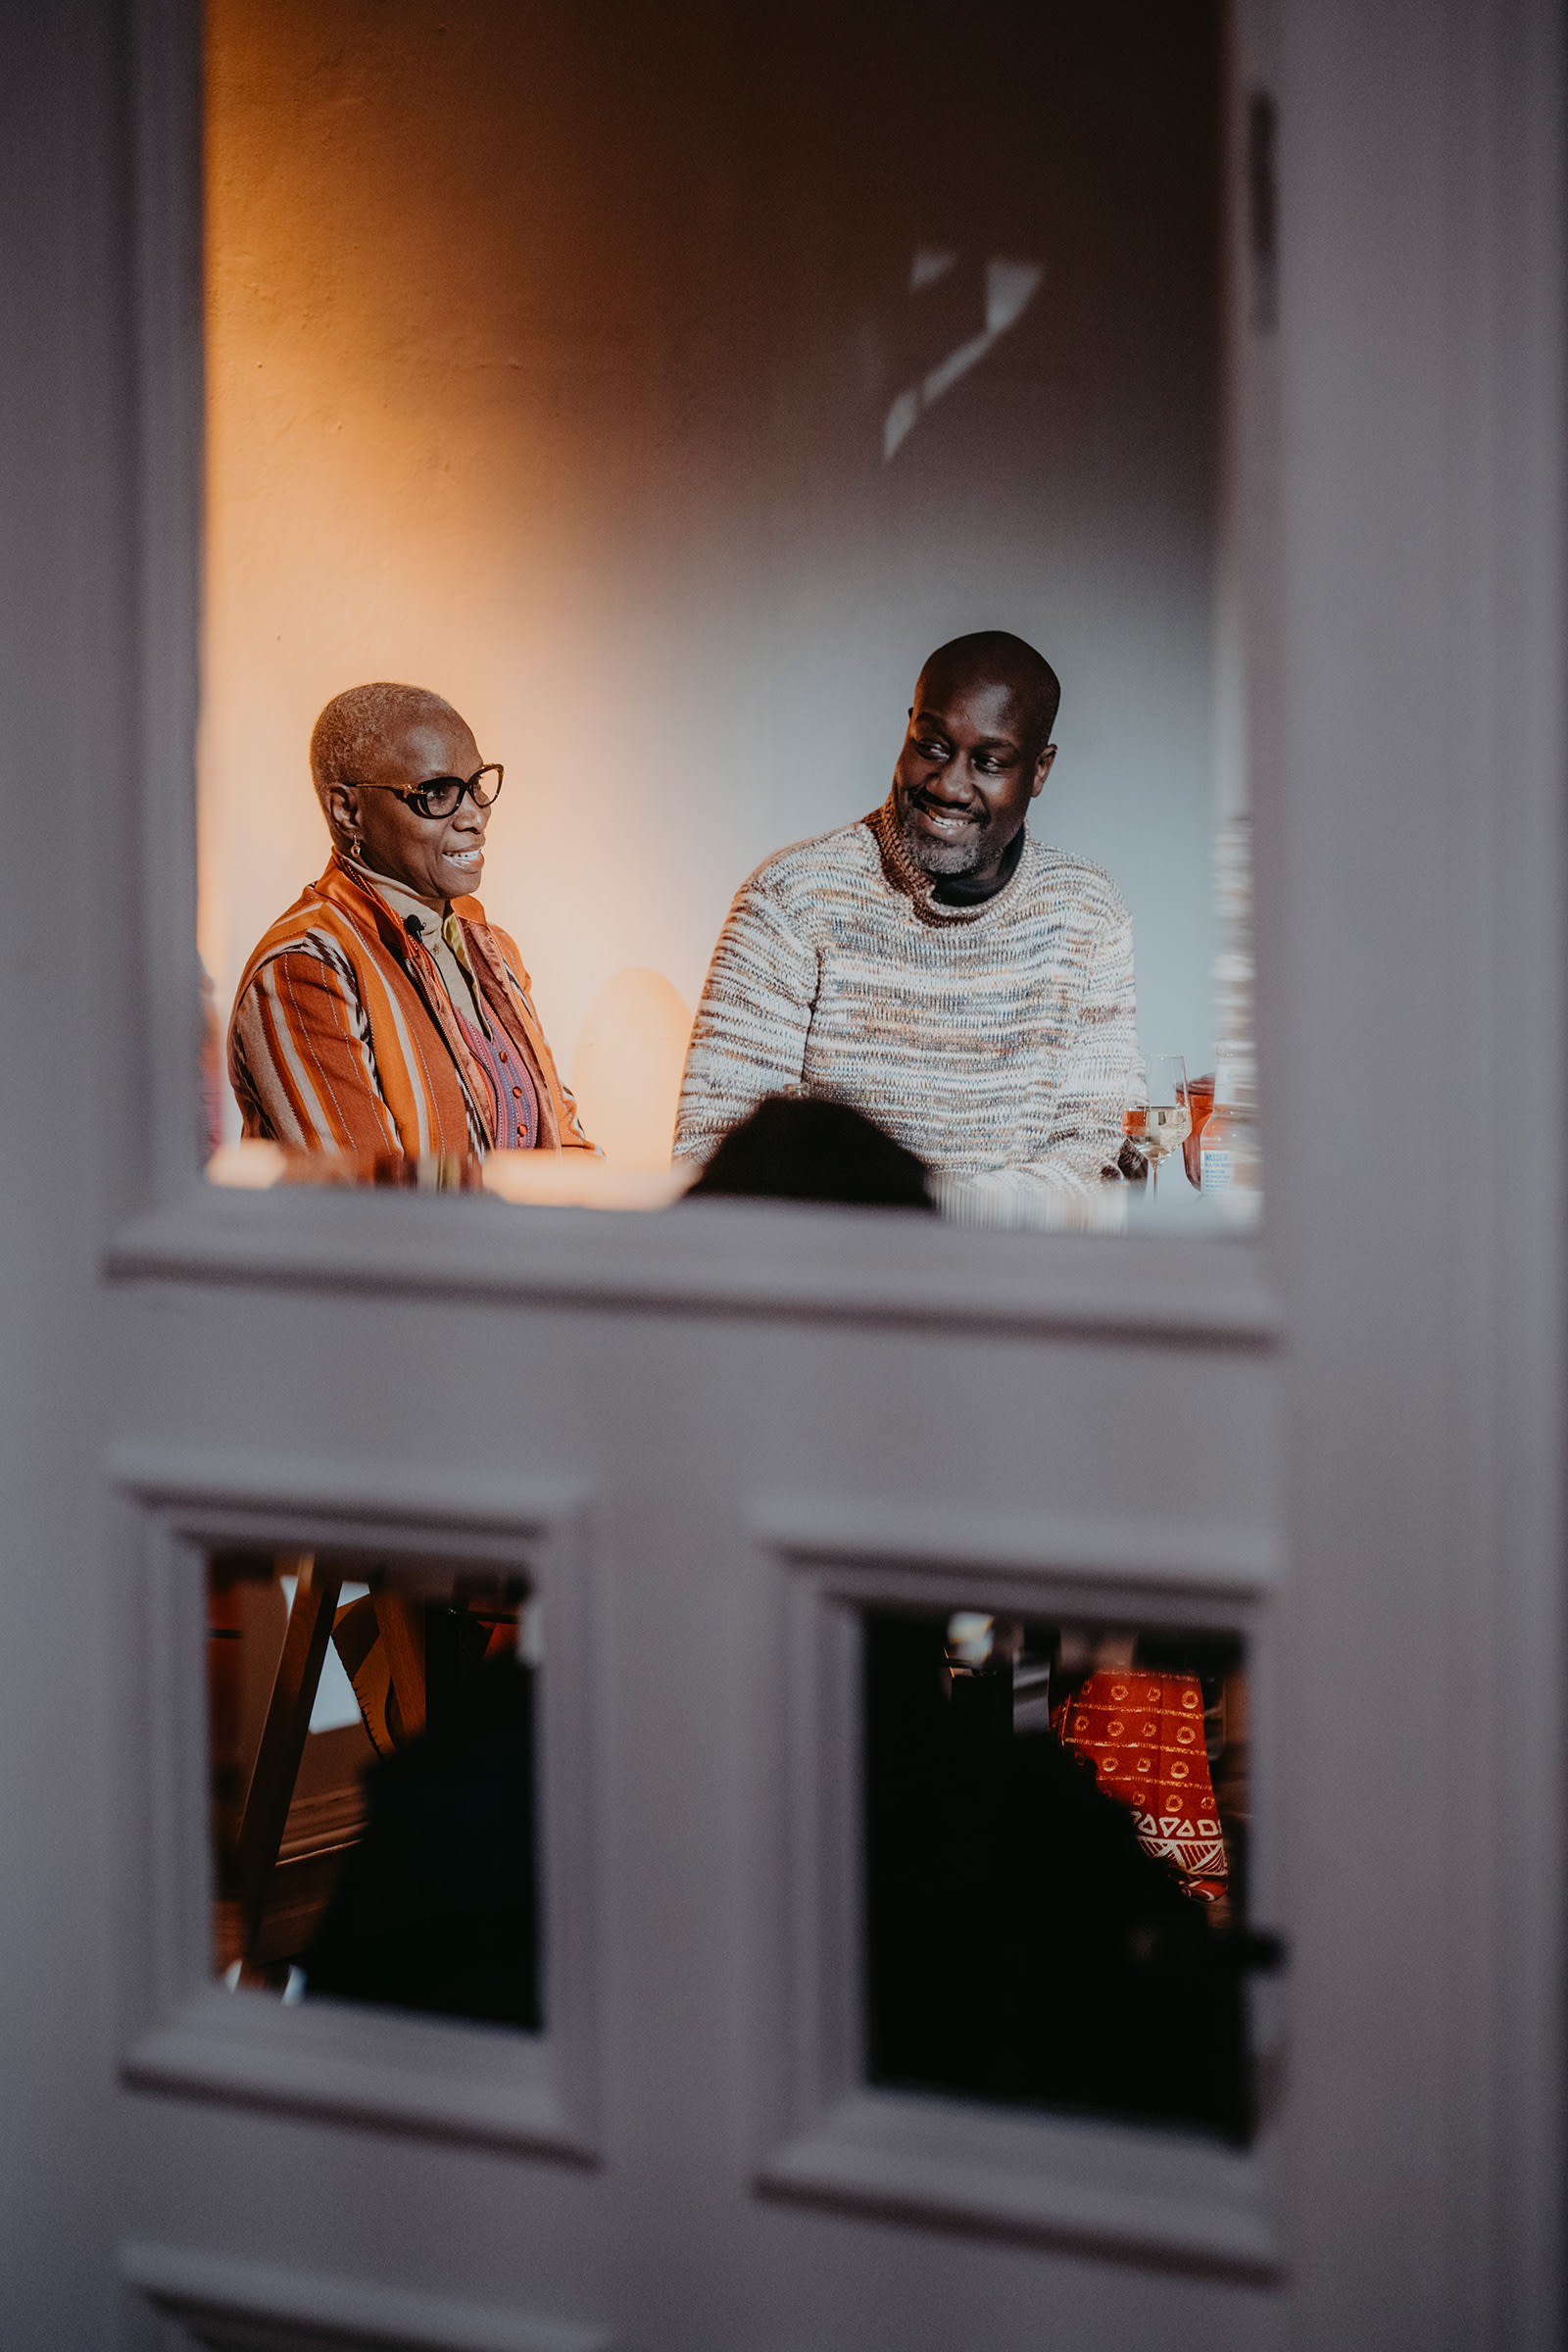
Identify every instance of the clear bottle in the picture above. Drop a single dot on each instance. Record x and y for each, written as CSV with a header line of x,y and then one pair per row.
x,y
1228,1156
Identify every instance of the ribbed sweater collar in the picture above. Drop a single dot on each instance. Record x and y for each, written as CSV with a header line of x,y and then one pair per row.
x,y
914,883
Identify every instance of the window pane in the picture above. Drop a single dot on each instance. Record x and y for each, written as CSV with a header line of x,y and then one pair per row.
x,y
373,1782
1056,1863
670,447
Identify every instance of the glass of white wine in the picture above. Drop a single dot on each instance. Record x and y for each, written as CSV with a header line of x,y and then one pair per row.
x,y
1157,1117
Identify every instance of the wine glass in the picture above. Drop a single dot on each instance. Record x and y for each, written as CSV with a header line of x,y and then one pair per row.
x,y
1157,1116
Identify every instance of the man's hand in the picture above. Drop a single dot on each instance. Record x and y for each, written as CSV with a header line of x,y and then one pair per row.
x,y
1129,1164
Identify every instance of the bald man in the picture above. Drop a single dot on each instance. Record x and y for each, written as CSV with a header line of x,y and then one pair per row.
x,y
382,1014
965,986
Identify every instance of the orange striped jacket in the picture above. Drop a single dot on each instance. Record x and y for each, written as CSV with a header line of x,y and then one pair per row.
x,y
343,1037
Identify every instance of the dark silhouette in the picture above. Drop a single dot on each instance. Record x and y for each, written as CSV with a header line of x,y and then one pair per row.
x,y
436,1907
1022,1946
795,1147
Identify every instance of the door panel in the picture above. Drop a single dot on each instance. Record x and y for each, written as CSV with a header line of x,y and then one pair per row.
x,y
698,1717
199,1518
1361,1481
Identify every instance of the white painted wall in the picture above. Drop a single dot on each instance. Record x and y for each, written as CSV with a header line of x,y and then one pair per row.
x,y
571,399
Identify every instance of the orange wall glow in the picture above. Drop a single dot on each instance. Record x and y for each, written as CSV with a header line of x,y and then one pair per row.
x,y
565,360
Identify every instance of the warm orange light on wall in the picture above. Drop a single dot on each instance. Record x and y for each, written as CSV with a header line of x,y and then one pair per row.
x,y
419,466
626,1071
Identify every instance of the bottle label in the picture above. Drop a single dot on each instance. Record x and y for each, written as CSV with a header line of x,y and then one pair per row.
x,y
1215,1171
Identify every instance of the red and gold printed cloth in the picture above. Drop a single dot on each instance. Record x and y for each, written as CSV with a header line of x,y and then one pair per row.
x,y
1144,1735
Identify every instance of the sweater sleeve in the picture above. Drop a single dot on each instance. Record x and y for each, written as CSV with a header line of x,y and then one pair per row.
x,y
1084,1119
749,1036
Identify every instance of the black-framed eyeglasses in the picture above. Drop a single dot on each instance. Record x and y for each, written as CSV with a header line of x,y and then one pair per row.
x,y
443,794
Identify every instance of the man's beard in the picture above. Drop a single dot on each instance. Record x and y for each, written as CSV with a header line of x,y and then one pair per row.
x,y
944,857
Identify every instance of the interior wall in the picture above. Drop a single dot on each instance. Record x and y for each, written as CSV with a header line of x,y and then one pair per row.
x,y
660,384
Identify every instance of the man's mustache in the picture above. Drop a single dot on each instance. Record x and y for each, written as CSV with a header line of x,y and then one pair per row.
x,y
977,815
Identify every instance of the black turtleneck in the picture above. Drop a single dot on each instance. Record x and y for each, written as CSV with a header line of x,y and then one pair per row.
x,y
962,890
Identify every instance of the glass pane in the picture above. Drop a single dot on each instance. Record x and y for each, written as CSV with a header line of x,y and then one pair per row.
x,y
372,1749
1057,1865
662,453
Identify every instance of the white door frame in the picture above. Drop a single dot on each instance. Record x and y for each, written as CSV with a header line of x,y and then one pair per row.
x,y
1410,869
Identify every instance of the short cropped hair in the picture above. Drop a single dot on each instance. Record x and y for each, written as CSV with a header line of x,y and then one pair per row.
x,y
997,654
361,720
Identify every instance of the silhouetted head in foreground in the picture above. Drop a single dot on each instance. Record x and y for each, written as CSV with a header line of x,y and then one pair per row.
x,y
791,1148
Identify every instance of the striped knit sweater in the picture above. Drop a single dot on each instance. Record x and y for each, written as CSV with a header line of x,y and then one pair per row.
x,y
995,1040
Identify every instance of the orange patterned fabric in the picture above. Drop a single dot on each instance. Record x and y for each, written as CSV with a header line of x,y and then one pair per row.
x,y
1144,1735
344,1039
